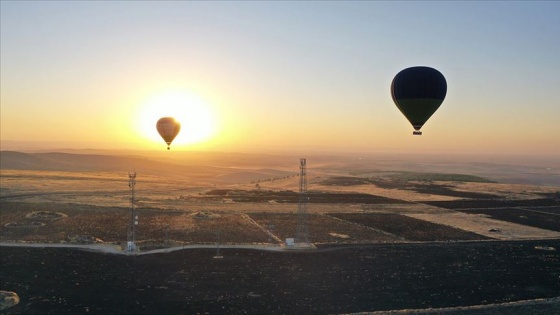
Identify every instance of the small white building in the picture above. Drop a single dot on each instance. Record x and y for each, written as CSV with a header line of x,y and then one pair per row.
x,y
130,246
290,241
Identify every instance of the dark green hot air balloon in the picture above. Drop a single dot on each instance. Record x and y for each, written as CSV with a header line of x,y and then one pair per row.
x,y
418,92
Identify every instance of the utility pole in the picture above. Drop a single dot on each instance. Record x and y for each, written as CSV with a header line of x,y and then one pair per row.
x,y
218,254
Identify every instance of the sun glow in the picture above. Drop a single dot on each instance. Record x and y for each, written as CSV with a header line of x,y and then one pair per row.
x,y
197,119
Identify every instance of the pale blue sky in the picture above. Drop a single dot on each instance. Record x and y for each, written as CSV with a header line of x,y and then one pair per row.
x,y
285,74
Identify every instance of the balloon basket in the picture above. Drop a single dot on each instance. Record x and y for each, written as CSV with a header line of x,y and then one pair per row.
x,y
417,133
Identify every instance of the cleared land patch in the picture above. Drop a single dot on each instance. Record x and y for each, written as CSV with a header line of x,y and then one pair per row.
x,y
46,215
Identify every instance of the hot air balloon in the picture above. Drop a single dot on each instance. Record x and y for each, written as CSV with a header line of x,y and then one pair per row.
x,y
168,129
418,92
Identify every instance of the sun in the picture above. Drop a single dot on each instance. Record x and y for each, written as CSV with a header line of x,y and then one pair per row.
x,y
198,122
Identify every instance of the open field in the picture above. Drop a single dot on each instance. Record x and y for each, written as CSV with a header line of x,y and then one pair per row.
x,y
255,223
384,239
177,210
531,217
409,228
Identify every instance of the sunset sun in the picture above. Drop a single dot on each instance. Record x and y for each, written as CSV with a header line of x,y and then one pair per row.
x,y
198,123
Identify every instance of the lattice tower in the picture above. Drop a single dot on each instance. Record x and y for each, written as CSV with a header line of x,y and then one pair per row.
x,y
302,234
133,218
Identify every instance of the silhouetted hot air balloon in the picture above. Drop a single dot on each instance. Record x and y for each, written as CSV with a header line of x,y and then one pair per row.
x,y
168,129
418,92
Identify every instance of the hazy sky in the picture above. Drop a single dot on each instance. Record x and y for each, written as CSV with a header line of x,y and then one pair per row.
x,y
284,75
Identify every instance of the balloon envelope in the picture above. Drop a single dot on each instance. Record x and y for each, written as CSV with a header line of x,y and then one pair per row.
x,y
168,129
418,92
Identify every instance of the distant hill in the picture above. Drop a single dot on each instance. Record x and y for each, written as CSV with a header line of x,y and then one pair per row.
x,y
230,168
73,162
66,162
61,162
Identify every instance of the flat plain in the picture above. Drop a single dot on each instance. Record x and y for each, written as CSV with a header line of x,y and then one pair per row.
x,y
387,236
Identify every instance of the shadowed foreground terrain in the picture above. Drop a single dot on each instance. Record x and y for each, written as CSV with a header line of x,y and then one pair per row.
x,y
331,279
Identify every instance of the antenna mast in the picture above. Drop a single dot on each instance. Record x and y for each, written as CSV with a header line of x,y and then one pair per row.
x,y
131,244
302,234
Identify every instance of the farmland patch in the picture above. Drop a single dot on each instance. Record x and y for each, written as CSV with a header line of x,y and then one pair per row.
x,y
422,183
492,203
528,217
410,228
288,196
322,228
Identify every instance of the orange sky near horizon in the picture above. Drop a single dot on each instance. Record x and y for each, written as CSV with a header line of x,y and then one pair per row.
x,y
277,76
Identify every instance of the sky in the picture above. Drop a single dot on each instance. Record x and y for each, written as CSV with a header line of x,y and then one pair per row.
x,y
276,76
